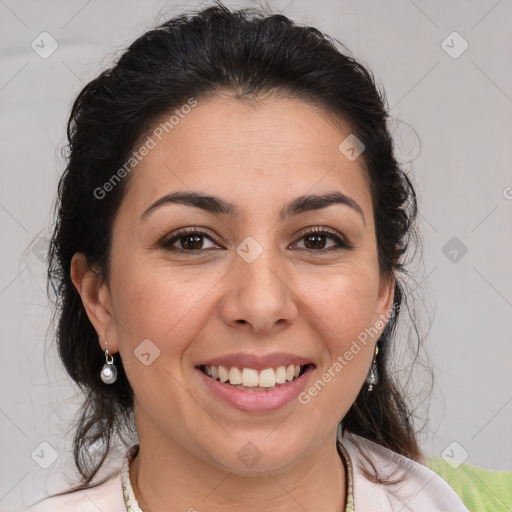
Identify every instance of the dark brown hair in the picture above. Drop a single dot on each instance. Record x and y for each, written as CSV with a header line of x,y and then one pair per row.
x,y
247,53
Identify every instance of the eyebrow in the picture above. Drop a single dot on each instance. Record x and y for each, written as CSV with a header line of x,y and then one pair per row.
x,y
215,205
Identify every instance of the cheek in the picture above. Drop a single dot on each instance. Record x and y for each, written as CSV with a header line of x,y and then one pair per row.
x,y
343,305
169,309
342,315
162,305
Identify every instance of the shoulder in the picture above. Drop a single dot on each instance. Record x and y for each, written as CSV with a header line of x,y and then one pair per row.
x,y
418,488
106,496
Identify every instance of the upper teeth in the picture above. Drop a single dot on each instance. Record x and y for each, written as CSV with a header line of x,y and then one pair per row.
x,y
249,377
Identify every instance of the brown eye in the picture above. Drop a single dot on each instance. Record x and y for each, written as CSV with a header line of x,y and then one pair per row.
x,y
188,240
322,240
191,242
315,241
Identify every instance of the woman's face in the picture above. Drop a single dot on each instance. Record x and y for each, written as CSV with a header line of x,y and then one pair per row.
x,y
277,273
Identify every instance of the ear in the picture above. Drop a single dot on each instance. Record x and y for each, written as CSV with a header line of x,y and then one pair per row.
x,y
96,300
386,297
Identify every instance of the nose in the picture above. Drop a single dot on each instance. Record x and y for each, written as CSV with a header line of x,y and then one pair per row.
x,y
260,297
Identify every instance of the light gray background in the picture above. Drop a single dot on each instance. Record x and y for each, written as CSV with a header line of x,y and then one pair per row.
x,y
461,111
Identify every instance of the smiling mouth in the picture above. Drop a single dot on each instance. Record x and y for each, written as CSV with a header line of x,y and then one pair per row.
x,y
250,379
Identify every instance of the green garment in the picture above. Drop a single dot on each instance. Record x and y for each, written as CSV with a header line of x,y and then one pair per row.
x,y
481,490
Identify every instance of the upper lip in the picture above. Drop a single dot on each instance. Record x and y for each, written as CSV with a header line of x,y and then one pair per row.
x,y
258,362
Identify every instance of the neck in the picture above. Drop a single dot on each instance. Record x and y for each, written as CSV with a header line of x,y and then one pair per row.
x,y
165,476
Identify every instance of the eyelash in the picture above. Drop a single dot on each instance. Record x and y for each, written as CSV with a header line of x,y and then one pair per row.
x,y
167,242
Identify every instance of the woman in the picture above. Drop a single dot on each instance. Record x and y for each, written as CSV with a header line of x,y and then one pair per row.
x,y
231,228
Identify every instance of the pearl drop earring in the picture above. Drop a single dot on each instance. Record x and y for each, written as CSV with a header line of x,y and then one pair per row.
x,y
373,375
109,372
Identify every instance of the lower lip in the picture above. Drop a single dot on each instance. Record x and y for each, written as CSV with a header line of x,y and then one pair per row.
x,y
257,401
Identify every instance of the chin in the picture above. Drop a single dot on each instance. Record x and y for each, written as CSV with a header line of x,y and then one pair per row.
x,y
256,458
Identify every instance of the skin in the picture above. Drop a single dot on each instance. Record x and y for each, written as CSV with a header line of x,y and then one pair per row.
x,y
195,306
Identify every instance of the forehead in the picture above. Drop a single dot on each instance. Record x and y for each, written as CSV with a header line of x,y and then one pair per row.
x,y
223,145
